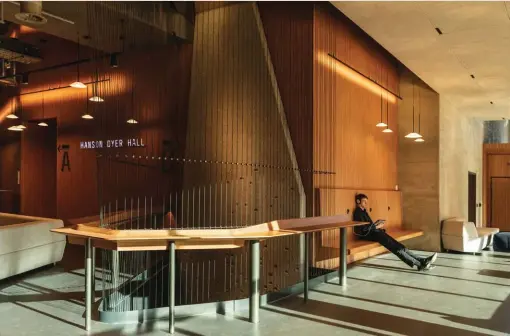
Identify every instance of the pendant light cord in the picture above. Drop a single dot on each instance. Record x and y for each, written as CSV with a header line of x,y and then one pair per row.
x,y
78,58
419,115
413,105
381,97
387,102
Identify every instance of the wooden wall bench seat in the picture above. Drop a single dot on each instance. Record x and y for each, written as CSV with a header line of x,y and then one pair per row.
x,y
382,205
359,246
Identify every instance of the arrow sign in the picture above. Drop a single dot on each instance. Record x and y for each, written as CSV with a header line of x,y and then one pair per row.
x,y
64,147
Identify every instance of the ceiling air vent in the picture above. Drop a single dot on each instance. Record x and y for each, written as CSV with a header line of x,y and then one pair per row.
x,y
31,12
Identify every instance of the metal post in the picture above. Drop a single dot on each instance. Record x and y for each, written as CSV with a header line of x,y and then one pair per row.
x,y
306,237
342,269
254,283
93,273
171,287
88,283
115,269
302,242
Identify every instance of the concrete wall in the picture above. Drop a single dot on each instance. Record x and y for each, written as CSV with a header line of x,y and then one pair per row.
x,y
418,163
461,141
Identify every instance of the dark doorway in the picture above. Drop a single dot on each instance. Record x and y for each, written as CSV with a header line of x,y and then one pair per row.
x,y
39,170
10,149
472,197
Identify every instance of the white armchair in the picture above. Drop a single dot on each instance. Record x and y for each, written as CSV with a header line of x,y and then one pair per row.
x,y
462,236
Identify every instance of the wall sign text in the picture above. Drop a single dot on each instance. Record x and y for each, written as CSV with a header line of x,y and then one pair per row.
x,y
113,143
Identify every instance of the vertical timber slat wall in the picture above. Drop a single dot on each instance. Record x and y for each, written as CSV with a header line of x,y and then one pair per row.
x,y
244,171
346,111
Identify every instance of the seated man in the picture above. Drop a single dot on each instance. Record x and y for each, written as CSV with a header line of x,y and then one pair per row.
x,y
374,232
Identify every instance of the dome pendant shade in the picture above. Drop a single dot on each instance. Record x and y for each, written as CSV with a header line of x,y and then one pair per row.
x,y
78,85
96,99
413,135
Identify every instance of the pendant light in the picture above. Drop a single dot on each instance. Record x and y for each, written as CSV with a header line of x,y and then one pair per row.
x,y
132,120
387,129
95,98
87,116
78,84
413,134
381,123
42,123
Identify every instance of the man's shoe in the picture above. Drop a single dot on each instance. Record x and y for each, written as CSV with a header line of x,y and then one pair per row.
x,y
426,263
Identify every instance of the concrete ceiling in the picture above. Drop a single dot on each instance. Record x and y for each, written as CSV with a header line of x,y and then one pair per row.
x,y
475,41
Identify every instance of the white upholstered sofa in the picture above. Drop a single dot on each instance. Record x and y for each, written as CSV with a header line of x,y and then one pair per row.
x,y
26,243
460,235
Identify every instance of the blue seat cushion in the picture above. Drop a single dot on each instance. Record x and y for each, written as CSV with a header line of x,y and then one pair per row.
x,y
501,242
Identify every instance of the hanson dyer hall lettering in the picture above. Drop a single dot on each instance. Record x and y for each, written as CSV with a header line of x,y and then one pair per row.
x,y
114,143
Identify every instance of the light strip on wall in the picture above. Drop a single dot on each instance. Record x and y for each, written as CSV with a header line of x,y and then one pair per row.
x,y
355,76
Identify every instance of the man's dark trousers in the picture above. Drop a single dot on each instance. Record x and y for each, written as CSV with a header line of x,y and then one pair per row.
x,y
393,246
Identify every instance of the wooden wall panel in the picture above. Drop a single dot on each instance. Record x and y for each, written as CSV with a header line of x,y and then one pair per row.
x,y
240,171
141,87
494,165
346,111
289,35
499,165
500,201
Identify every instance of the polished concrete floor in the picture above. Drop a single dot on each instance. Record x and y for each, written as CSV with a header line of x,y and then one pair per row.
x,y
464,295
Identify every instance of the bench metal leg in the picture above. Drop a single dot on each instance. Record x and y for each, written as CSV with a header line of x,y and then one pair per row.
x,y
88,283
342,270
306,288
93,273
254,281
171,287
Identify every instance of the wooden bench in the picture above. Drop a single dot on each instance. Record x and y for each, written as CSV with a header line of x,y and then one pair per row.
x,y
359,245
382,205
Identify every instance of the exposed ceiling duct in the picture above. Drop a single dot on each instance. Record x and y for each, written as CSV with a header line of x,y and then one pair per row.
x,y
31,12
8,73
496,131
